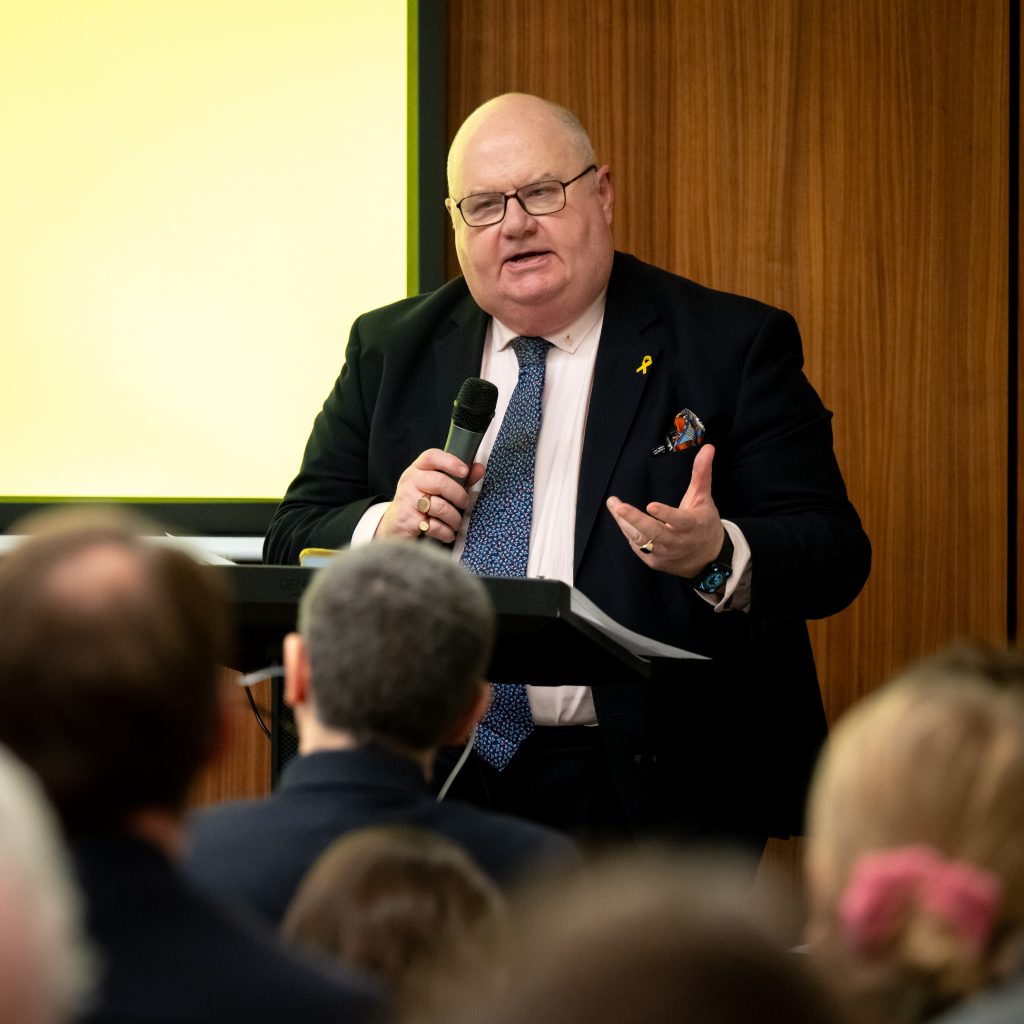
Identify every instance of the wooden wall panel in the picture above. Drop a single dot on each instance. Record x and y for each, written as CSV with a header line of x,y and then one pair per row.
x,y
240,768
847,161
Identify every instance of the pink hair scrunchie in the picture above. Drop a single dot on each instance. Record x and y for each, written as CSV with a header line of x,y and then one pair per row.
x,y
884,886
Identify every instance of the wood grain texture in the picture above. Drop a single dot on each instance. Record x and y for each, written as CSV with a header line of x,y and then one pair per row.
x,y
847,161
240,768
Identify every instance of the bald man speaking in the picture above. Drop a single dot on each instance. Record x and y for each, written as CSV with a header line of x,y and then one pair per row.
x,y
655,444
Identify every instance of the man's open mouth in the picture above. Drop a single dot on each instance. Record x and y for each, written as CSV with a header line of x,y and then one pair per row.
x,y
522,257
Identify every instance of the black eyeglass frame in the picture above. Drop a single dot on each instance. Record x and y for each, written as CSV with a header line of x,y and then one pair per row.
x,y
514,194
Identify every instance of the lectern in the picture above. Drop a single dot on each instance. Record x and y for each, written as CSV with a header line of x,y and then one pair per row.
x,y
542,639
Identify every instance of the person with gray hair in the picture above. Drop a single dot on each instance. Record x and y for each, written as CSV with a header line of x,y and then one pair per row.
x,y
387,665
46,964
398,640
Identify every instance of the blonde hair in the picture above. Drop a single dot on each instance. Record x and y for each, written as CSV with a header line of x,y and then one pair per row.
x,y
934,760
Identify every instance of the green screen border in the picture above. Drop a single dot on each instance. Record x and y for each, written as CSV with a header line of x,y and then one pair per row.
x,y
427,145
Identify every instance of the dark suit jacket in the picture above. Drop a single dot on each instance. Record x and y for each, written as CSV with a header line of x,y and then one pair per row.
x,y
704,748
257,852
170,956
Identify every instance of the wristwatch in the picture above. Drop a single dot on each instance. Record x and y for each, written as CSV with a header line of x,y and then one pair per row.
x,y
712,577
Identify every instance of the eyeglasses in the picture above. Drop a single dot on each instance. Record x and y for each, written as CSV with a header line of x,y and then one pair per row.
x,y
537,199
261,675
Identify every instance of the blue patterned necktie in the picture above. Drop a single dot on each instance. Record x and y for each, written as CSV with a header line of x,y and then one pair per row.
x,y
498,538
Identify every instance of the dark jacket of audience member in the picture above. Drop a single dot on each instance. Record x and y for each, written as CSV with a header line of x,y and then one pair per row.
x,y
109,690
388,663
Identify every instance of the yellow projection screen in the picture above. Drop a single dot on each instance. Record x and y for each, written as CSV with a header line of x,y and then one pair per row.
x,y
198,197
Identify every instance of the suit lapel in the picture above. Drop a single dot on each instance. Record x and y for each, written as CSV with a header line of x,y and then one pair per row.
x,y
619,384
457,355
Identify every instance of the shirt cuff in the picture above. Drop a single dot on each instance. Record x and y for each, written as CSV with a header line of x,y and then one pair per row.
x,y
368,523
735,596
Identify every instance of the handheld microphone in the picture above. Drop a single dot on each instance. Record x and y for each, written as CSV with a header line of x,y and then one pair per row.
x,y
472,411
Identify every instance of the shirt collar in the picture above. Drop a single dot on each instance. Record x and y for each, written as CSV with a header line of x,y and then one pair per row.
x,y
569,339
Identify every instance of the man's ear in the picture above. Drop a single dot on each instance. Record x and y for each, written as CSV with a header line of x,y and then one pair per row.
x,y
606,191
296,671
466,722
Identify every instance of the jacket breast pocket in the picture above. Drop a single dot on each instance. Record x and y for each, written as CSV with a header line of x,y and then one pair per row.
x,y
669,475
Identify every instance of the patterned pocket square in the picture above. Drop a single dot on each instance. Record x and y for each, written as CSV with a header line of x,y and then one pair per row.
x,y
688,433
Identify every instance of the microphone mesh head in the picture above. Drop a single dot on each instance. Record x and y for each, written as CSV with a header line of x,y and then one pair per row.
x,y
474,406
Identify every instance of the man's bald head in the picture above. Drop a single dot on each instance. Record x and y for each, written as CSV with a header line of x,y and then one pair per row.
x,y
518,105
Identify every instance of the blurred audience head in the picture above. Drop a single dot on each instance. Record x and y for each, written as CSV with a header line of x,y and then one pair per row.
x,y
109,654
915,856
45,964
405,905
395,638
650,936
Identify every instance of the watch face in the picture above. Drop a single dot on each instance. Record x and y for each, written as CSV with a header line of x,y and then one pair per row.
x,y
714,579
712,582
